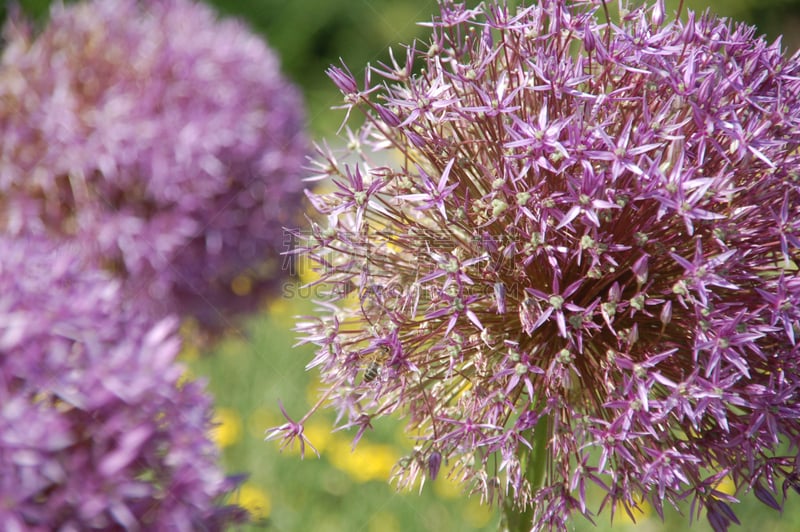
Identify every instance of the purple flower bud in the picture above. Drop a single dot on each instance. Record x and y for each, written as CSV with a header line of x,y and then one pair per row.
x,y
387,116
657,15
720,515
434,463
765,496
343,79
689,28
589,39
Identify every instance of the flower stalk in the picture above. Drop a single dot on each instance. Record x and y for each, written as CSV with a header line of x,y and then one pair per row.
x,y
535,459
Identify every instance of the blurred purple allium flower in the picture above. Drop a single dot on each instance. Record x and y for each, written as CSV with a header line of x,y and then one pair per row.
x,y
581,268
96,430
167,138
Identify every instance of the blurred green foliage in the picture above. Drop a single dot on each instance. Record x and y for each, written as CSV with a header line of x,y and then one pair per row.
x,y
310,35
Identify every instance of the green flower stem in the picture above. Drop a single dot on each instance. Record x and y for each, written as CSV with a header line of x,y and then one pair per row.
x,y
534,460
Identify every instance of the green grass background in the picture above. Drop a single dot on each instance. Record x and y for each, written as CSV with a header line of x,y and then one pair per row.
x,y
255,365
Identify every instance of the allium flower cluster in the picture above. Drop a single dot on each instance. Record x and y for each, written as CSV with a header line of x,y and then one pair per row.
x,y
96,430
579,266
167,138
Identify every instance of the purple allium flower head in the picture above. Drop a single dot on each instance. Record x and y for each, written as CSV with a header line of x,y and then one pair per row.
x,y
575,258
164,136
96,430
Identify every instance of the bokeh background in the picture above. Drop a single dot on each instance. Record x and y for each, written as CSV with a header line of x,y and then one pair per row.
x,y
255,364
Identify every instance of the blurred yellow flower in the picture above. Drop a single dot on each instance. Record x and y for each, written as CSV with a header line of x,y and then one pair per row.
x,y
280,310
447,488
185,377
352,300
319,434
189,352
189,333
367,462
242,285
640,513
477,514
305,270
227,428
254,500
726,486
